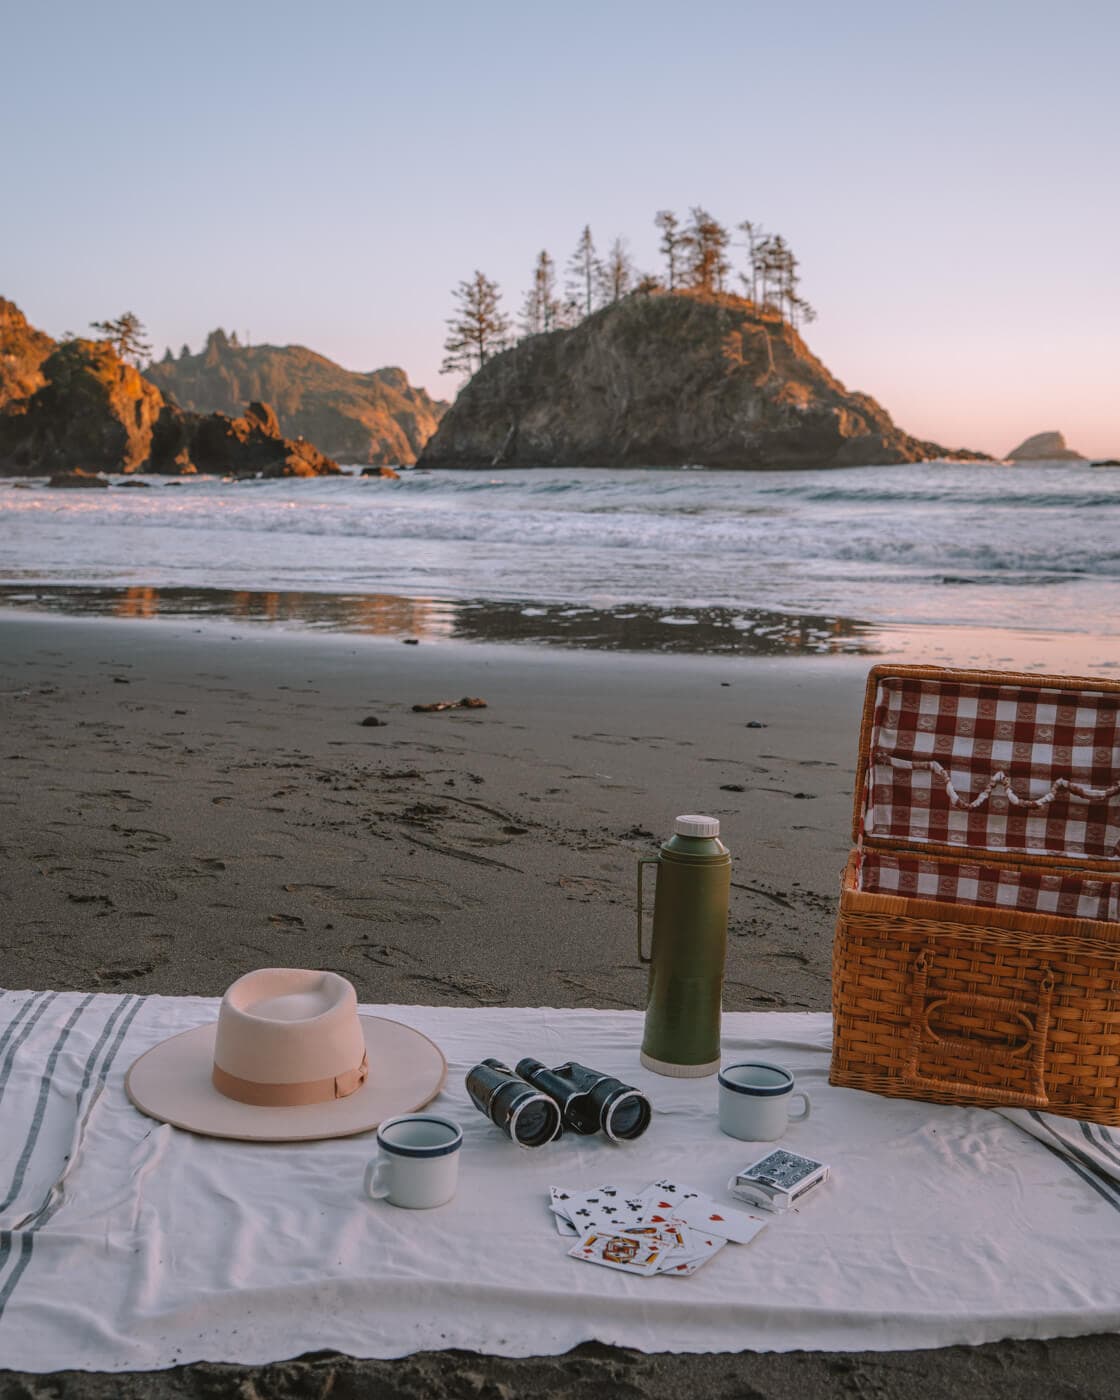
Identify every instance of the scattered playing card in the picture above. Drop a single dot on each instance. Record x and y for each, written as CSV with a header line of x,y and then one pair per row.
x,y
700,1212
630,1253
666,1228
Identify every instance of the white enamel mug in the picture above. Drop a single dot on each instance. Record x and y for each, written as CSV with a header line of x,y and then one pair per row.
x,y
754,1101
418,1162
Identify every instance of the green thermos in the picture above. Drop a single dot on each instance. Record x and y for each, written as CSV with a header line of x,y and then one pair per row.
x,y
688,951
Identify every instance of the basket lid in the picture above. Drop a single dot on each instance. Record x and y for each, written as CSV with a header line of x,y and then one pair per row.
x,y
990,761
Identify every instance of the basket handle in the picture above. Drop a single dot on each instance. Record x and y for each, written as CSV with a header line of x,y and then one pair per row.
x,y
1033,1047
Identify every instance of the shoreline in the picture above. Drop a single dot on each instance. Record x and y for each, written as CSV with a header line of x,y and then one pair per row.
x,y
197,800
529,625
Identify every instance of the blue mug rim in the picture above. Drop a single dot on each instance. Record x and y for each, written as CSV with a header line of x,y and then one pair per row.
x,y
439,1149
761,1091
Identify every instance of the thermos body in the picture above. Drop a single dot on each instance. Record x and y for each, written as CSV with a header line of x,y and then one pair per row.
x,y
688,952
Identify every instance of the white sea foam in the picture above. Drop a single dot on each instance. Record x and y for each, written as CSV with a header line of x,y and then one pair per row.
x,y
1028,546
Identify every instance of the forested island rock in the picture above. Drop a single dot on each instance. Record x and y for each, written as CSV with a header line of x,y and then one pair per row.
x,y
1044,447
668,379
22,351
92,411
86,408
376,418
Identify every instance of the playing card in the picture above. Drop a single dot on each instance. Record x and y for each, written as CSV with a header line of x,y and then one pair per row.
x,y
669,1199
603,1207
631,1254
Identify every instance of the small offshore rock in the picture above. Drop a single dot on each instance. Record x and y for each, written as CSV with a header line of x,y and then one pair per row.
x,y
145,485
385,473
410,641
77,477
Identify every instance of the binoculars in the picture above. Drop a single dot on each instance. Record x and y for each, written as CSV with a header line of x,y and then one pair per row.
x,y
535,1104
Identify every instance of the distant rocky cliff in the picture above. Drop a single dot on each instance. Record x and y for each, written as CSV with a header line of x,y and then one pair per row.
x,y
84,408
668,379
376,418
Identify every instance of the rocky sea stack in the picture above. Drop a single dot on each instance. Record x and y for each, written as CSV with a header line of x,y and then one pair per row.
x,y
668,379
1044,447
377,418
83,407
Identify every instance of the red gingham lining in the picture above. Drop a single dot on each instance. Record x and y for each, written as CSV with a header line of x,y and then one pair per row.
x,y
995,767
991,886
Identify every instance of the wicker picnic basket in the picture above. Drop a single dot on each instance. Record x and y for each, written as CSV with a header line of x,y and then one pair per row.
x,y
977,951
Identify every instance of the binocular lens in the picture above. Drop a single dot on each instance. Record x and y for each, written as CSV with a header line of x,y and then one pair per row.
x,y
535,1121
627,1117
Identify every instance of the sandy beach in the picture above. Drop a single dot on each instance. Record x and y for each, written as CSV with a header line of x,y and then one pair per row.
x,y
184,803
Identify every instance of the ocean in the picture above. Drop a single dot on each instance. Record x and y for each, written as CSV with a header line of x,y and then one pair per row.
x,y
854,560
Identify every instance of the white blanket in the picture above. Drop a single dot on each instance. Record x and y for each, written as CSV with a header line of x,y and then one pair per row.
x,y
126,1244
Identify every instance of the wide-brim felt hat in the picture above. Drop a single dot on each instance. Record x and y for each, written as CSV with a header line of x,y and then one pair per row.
x,y
289,1059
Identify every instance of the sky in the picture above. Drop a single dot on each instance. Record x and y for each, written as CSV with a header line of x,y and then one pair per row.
x,y
325,174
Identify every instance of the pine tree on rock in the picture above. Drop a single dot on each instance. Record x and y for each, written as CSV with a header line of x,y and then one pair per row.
x,y
585,273
672,245
616,275
706,243
755,234
542,311
478,329
126,336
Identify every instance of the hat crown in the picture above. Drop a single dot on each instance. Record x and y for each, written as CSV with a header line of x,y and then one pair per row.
x,y
286,1025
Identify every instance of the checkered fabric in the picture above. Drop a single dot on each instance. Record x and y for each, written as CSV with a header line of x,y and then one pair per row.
x,y
995,767
991,886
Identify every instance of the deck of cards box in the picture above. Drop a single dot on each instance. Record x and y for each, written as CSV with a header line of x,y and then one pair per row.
x,y
779,1181
977,951
666,1228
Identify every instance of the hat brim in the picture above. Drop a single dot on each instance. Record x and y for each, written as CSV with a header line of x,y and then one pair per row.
x,y
172,1083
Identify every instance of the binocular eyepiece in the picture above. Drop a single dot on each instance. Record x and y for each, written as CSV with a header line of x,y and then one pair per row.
x,y
534,1105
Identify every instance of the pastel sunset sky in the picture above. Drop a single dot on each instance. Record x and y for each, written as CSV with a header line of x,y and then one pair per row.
x,y
326,173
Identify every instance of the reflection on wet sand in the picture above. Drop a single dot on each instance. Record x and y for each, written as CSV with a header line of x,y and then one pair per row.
x,y
634,627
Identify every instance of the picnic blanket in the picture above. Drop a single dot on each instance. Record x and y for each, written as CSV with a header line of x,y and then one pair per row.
x,y
126,1244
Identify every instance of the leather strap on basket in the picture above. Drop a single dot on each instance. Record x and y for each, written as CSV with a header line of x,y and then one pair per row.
x,y
307,1091
1032,1051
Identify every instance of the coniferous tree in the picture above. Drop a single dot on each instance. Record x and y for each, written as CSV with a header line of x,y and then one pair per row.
x,y
672,244
542,310
184,351
616,274
584,273
755,234
706,243
126,336
478,329
168,357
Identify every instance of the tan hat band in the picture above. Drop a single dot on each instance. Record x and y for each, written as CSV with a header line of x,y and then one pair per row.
x,y
306,1091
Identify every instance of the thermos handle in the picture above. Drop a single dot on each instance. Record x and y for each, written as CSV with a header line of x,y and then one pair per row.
x,y
643,860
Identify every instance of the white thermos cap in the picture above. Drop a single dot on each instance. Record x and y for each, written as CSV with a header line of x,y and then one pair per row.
x,y
697,826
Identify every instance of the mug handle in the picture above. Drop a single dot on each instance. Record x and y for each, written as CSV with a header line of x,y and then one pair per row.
x,y
800,1117
376,1174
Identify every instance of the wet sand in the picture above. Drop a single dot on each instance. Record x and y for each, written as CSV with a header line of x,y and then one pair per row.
x,y
184,803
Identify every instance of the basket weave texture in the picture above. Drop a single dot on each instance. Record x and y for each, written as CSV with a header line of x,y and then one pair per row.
x,y
977,949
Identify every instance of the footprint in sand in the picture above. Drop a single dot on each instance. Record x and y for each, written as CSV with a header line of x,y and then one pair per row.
x,y
391,899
